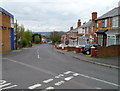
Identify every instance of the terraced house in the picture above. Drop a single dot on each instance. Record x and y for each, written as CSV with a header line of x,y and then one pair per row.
x,y
6,31
108,28
86,32
72,34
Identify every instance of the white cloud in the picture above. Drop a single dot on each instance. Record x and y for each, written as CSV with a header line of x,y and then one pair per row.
x,y
48,15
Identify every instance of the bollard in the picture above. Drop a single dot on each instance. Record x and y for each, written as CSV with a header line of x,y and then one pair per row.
x,y
92,51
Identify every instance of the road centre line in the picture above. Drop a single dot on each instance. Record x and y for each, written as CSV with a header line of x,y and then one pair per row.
x,y
38,53
35,86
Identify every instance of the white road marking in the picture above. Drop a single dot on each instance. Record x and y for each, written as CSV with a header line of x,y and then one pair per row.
x,y
98,88
38,57
35,86
50,88
59,76
2,82
68,72
8,87
99,80
68,78
38,53
5,85
30,66
59,83
47,81
76,74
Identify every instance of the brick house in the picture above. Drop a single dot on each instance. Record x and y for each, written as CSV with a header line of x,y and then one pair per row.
x,y
6,31
86,32
72,34
108,28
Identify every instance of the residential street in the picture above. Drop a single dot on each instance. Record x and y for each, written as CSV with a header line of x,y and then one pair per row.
x,y
42,67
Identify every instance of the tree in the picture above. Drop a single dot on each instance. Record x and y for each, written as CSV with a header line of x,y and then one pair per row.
x,y
27,37
37,38
22,36
56,36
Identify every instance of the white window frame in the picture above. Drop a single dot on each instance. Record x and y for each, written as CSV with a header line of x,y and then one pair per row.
x,y
115,21
111,38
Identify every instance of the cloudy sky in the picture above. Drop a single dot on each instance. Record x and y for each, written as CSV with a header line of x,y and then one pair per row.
x,y
59,15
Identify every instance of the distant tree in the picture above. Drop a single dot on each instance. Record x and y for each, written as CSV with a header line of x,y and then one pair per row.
x,y
37,38
56,36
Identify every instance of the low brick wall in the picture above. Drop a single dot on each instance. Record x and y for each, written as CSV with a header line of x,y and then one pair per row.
x,y
103,51
70,48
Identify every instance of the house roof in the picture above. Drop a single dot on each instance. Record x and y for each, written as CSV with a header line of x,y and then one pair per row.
x,y
6,12
89,23
113,32
102,30
73,31
111,13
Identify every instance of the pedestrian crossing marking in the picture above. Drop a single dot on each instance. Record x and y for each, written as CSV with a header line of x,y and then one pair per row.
x,y
34,86
6,85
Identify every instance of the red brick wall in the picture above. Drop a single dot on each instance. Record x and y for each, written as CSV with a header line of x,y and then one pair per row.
x,y
108,51
5,22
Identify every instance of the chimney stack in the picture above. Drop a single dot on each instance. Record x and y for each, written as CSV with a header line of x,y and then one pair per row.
x,y
78,23
84,23
71,28
94,15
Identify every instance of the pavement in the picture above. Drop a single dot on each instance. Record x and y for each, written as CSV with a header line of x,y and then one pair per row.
x,y
42,67
111,62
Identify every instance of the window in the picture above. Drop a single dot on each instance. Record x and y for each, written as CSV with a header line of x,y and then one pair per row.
x,y
4,28
100,40
111,40
4,14
97,25
0,27
86,30
83,31
115,21
118,39
104,23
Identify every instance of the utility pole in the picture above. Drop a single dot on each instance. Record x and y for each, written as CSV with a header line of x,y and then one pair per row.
x,y
16,35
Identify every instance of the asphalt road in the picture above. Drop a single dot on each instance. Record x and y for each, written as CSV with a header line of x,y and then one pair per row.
x,y
42,67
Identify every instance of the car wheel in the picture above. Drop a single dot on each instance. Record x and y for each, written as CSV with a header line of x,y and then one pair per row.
x,y
87,52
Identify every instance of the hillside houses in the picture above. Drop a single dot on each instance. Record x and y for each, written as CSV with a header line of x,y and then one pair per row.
x,y
103,30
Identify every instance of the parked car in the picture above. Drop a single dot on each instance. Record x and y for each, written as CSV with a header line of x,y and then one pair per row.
x,y
60,46
87,48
